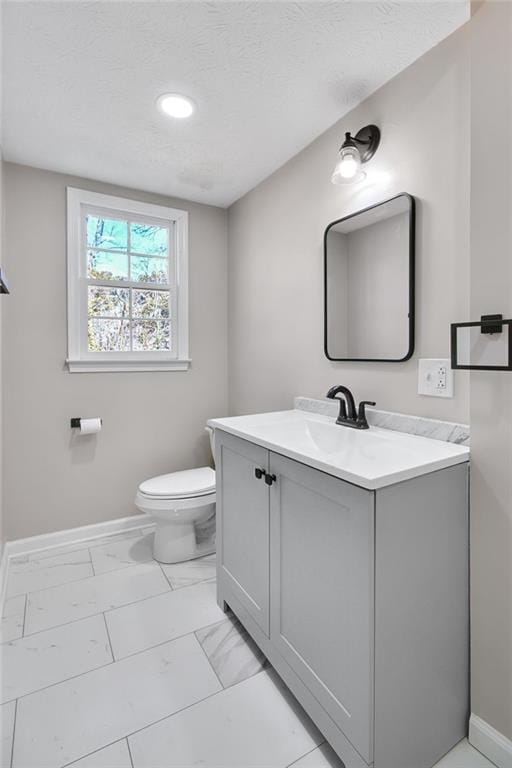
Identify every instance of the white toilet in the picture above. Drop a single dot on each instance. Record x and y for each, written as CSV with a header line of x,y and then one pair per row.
x,y
180,503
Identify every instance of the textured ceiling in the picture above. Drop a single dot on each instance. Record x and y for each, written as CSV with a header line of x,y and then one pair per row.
x,y
80,80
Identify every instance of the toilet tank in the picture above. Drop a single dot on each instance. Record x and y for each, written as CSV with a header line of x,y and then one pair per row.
x,y
212,443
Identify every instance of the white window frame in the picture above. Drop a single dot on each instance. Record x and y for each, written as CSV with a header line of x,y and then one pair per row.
x,y
82,360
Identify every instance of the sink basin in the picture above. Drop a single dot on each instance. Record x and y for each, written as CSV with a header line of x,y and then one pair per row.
x,y
371,458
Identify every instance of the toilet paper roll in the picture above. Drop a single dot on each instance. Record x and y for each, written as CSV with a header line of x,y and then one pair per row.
x,y
90,426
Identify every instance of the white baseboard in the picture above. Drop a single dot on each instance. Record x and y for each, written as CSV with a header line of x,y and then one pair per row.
x,y
74,535
490,742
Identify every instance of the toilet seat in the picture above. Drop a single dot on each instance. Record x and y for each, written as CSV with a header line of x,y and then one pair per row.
x,y
187,484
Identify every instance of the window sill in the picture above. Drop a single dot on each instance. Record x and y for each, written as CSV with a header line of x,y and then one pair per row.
x,y
126,366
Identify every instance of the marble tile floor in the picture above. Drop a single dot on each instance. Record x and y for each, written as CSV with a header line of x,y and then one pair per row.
x,y
110,660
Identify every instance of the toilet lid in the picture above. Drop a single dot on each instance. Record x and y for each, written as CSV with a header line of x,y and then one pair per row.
x,y
190,482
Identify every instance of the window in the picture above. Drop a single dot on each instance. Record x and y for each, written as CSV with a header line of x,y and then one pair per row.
x,y
127,285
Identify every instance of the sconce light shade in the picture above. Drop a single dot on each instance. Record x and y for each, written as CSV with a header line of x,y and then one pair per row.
x,y
354,151
348,167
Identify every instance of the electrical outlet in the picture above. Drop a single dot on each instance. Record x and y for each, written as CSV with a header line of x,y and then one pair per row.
x,y
435,377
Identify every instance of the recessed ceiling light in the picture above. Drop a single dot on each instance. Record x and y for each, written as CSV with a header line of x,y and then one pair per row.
x,y
174,105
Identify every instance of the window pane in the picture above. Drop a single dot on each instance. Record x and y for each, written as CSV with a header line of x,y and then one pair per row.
x,y
107,266
145,238
151,335
109,335
148,270
107,233
150,303
108,302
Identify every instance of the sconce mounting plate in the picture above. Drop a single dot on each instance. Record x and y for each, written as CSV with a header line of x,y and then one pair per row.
x,y
491,324
368,140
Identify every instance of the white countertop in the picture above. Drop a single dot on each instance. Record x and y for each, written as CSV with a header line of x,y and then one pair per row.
x,y
371,458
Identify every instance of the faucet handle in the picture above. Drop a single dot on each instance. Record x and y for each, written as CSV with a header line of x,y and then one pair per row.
x,y
361,412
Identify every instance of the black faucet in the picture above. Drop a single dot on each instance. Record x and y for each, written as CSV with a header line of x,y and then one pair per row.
x,y
347,415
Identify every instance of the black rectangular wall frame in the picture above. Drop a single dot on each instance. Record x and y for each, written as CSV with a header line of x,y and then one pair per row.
x,y
487,325
412,282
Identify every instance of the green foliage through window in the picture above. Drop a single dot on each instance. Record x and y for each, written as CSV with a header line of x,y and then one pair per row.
x,y
124,319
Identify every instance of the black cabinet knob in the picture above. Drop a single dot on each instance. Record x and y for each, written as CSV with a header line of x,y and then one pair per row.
x,y
269,479
259,473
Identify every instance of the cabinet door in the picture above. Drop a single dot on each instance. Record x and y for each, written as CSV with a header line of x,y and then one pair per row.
x,y
243,524
322,563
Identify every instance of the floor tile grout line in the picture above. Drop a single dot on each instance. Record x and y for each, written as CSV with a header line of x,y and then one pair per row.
x,y
85,548
24,616
161,719
24,558
94,752
91,615
192,584
215,624
107,610
59,682
114,660
165,575
164,642
290,765
129,751
105,573
39,563
83,544
189,706
55,586
108,636
84,578
208,659
92,562
123,566
14,732
114,608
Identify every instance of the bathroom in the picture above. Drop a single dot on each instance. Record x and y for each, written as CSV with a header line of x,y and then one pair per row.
x,y
128,640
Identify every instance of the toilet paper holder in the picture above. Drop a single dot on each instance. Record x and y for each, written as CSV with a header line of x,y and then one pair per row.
x,y
75,422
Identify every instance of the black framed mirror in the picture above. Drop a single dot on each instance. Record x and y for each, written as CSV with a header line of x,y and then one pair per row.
x,y
369,283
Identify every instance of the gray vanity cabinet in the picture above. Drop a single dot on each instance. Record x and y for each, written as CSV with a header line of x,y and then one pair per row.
x,y
321,561
359,598
243,539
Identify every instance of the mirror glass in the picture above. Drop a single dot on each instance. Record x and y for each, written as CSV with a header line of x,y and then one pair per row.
x,y
369,283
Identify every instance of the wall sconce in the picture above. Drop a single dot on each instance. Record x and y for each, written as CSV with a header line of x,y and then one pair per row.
x,y
355,151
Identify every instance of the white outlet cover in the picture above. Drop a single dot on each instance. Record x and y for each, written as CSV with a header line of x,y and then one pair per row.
x,y
435,377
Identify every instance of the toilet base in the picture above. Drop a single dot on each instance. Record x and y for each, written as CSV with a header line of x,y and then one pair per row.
x,y
185,528
176,542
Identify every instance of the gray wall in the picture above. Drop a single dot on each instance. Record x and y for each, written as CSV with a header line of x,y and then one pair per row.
x,y
491,393
275,245
2,300
153,422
